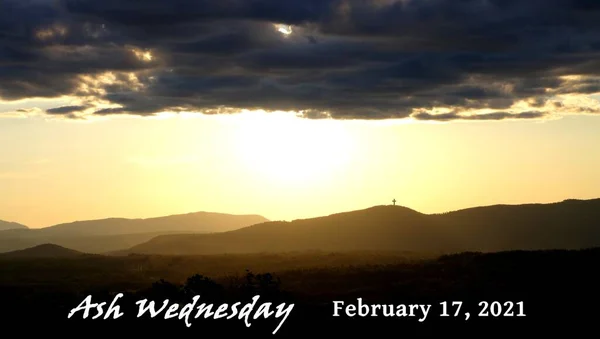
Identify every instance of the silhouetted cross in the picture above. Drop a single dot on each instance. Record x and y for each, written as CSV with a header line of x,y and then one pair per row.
x,y
394,201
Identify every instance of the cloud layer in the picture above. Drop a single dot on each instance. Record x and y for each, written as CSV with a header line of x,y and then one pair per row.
x,y
344,59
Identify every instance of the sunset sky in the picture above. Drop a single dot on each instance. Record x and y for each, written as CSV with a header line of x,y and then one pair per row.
x,y
294,109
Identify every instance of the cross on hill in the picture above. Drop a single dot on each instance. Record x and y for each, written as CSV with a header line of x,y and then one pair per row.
x,y
394,201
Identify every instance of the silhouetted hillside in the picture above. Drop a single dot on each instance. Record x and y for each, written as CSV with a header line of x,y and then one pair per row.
x,y
204,222
89,244
43,251
105,235
6,225
378,228
570,224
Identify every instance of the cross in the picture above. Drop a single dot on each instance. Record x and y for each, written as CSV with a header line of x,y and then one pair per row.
x,y
394,201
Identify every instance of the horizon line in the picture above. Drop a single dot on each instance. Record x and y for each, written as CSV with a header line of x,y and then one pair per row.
x,y
306,218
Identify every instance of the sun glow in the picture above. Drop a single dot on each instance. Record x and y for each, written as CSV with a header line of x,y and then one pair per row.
x,y
284,29
293,152
145,56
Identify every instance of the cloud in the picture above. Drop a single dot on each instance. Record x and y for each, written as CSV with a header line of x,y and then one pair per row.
x,y
345,59
65,109
482,116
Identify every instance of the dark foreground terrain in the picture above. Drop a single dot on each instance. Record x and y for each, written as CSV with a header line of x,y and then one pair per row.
x,y
559,291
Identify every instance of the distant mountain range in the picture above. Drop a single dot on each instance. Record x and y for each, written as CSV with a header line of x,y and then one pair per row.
x,y
6,225
571,224
105,235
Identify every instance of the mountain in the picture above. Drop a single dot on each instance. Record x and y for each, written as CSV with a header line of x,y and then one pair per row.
x,y
43,251
89,244
376,228
106,235
570,224
5,225
204,222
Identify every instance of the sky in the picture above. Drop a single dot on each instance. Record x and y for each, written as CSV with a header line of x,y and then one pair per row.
x,y
294,109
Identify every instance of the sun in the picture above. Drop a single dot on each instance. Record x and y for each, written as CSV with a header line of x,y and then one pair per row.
x,y
293,152
284,29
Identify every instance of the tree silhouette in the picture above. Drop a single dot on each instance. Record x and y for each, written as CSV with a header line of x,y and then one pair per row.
x,y
266,285
203,286
162,290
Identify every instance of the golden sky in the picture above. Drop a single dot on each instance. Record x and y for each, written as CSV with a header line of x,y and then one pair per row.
x,y
284,167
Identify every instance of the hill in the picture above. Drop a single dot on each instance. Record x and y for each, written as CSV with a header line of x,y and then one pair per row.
x,y
105,235
571,224
43,251
88,244
204,222
6,225
378,228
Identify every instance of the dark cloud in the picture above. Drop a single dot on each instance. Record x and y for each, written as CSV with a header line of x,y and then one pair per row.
x,y
346,59
65,109
485,116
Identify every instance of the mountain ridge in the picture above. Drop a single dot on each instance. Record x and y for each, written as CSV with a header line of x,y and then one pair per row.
x,y
77,225
9,225
565,224
46,250
110,234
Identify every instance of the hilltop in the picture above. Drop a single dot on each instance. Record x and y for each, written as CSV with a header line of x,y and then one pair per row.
x,y
43,251
571,224
379,228
190,222
7,225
